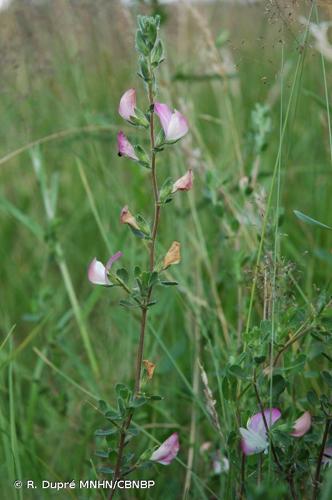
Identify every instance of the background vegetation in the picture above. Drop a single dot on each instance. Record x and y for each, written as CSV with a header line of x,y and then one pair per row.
x,y
255,92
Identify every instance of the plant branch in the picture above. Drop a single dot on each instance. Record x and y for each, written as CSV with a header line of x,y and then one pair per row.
x,y
319,460
144,306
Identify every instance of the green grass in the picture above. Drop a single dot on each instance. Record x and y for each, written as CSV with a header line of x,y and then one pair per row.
x,y
65,344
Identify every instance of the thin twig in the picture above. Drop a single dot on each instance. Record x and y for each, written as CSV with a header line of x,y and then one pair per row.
x,y
319,460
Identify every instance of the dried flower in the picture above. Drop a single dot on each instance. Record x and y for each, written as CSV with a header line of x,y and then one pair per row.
x,y
150,367
167,451
184,183
126,217
98,273
125,148
173,255
254,437
302,425
128,104
174,124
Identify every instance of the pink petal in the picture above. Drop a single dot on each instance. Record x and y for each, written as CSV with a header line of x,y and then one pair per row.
x,y
256,422
253,442
112,259
97,273
164,113
184,183
125,148
128,104
177,128
302,425
327,456
167,451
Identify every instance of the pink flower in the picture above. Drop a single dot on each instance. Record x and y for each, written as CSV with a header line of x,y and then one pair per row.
x,y
173,123
184,183
125,148
327,456
302,425
98,273
167,451
128,104
254,437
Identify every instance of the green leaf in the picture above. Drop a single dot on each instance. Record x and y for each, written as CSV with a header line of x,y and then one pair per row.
x,y
144,71
169,283
21,217
128,303
278,386
112,415
101,453
106,432
166,191
327,378
157,54
141,45
237,371
105,470
137,402
310,220
229,387
153,279
143,225
102,405
123,274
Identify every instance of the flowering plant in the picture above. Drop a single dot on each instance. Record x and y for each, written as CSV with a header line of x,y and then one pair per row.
x,y
173,126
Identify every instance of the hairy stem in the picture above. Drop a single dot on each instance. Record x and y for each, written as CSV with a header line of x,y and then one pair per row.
x,y
319,460
144,307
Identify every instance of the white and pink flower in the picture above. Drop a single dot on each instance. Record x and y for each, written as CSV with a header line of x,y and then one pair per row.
x,y
174,124
98,273
127,104
125,148
167,451
254,437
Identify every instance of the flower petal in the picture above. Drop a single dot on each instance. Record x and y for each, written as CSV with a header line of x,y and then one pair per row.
x,y
112,259
128,104
125,148
302,425
164,113
253,442
167,451
97,273
256,422
184,183
177,128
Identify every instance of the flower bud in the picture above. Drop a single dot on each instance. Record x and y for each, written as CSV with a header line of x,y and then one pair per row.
x,y
125,148
302,425
126,217
184,183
